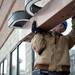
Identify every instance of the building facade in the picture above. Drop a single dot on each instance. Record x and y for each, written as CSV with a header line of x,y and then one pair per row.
x,y
11,61
16,56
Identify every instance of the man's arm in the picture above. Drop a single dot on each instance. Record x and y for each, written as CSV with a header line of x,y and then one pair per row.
x,y
38,43
71,35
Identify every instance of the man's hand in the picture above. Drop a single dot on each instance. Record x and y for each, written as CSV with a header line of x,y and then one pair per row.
x,y
73,22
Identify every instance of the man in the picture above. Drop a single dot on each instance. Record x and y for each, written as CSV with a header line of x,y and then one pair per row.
x,y
52,50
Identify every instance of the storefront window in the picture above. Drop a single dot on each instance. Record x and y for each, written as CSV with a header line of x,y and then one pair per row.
x,y
72,61
22,58
14,62
1,68
5,67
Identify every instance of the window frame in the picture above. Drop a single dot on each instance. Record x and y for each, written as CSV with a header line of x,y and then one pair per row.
x,y
3,65
16,48
17,72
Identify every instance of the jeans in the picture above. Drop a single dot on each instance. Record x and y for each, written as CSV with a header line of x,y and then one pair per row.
x,y
42,72
39,72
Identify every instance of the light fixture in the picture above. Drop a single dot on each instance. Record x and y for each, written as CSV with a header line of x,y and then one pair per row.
x,y
19,18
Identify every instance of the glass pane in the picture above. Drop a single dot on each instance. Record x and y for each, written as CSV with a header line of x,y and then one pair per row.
x,y
72,61
22,58
14,62
1,68
28,56
5,67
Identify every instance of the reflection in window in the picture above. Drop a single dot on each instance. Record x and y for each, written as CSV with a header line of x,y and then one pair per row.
x,y
1,68
22,59
29,57
5,67
20,64
14,62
